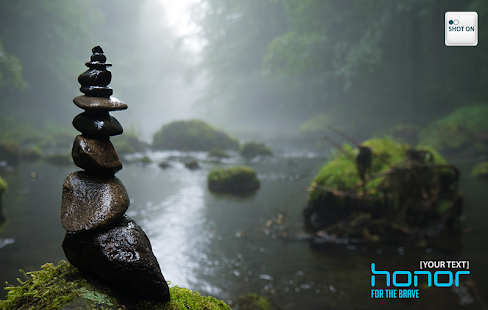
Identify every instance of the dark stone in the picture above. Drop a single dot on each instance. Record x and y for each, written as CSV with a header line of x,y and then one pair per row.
x,y
97,91
99,103
92,201
97,124
122,257
192,165
97,50
95,154
95,77
98,58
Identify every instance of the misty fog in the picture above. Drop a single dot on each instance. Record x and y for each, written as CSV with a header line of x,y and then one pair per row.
x,y
284,73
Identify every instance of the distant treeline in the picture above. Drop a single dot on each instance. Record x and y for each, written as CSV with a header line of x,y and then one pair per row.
x,y
367,63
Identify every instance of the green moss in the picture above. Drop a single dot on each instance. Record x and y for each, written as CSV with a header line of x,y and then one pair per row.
x,y
56,286
252,301
220,153
235,178
456,130
480,170
384,192
252,149
192,135
340,172
3,186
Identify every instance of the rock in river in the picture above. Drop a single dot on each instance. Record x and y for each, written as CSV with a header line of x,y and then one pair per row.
x,y
92,201
121,257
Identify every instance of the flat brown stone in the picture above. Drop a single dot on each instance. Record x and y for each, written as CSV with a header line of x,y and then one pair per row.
x,y
99,103
92,201
95,154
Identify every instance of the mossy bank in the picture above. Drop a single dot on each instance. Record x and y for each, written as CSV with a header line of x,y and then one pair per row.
x,y
407,195
192,135
233,179
63,287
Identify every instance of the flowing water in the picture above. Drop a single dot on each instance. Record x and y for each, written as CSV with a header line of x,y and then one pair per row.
x,y
226,246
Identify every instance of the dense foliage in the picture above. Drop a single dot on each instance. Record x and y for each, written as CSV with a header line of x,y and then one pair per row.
x,y
464,129
44,44
361,64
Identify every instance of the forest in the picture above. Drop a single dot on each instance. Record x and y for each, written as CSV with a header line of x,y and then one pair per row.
x,y
271,149
272,65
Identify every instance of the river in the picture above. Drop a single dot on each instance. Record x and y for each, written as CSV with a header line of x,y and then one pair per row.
x,y
226,246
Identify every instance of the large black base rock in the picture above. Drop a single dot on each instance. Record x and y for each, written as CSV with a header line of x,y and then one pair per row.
x,y
121,257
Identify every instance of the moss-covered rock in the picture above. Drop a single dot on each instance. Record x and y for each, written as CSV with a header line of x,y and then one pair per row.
x,y
219,153
3,186
9,151
64,287
407,189
128,143
480,170
164,165
192,135
192,165
464,128
252,149
251,301
233,179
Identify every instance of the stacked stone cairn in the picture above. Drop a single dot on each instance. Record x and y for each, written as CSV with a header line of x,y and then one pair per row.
x,y
101,241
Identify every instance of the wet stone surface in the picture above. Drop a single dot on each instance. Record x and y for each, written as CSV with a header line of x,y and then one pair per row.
x,y
97,124
121,257
92,201
99,103
95,154
97,91
95,77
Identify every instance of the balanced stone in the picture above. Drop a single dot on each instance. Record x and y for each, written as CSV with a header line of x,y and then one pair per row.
x,y
97,91
92,201
121,256
94,81
95,154
97,124
99,103
95,77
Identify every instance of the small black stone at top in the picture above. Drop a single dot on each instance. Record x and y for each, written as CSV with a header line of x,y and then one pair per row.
x,y
97,49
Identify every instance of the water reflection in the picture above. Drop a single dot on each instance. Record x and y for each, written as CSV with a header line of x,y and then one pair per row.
x,y
216,244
